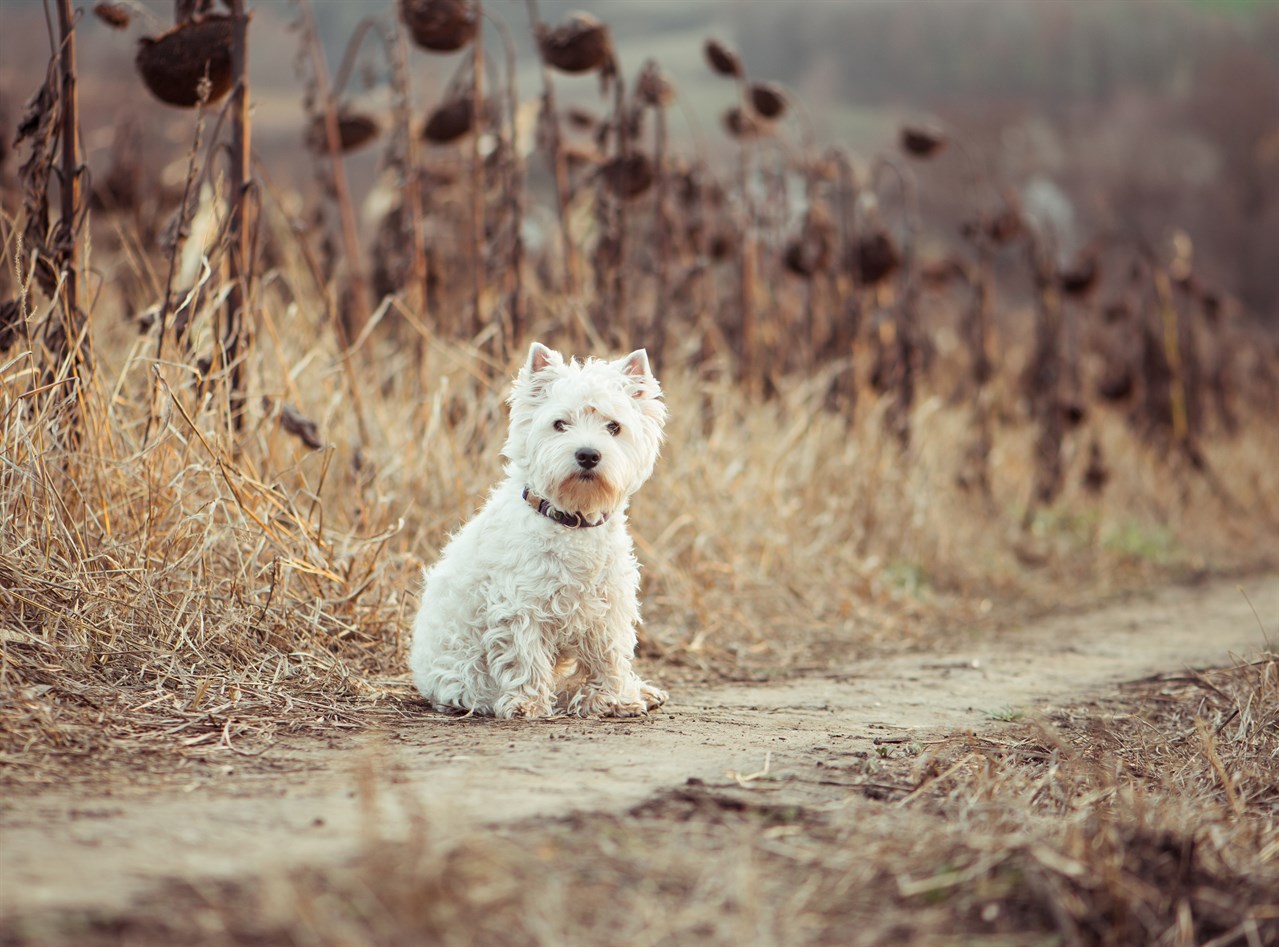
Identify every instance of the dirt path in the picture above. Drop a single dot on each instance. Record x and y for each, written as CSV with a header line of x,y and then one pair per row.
x,y
63,849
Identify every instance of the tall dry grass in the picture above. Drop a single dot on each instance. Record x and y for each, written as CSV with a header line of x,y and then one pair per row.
x,y
171,584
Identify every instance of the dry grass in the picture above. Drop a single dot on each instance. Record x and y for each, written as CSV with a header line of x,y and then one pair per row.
x,y
172,586
178,581
1149,818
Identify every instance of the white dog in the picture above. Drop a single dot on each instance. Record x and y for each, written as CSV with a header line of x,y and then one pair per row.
x,y
531,610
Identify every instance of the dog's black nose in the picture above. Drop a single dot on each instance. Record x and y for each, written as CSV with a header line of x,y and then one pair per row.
x,y
587,457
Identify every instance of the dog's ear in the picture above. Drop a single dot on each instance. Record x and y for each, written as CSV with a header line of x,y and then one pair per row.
x,y
640,383
540,357
637,364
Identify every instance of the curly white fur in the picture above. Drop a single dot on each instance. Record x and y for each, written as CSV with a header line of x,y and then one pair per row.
x,y
523,616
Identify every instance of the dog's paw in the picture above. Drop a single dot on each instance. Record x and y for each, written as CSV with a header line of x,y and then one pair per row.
x,y
591,703
636,704
530,708
634,699
599,702
626,710
653,697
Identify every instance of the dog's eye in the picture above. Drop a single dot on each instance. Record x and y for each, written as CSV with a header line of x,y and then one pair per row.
x,y
614,428
560,425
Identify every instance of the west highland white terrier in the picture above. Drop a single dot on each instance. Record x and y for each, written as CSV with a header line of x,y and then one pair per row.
x,y
531,609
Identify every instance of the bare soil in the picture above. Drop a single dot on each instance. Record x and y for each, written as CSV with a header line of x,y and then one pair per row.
x,y
804,742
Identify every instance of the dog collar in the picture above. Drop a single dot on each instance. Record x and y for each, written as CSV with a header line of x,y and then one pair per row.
x,y
571,520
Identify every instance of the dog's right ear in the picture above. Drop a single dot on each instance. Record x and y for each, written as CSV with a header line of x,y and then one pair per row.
x,y
535,378
540,357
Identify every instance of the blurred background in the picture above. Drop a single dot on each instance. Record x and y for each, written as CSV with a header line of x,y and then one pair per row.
x,y
1123,120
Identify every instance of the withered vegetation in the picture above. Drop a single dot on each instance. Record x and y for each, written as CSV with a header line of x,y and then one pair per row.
x,y
213,538
223,464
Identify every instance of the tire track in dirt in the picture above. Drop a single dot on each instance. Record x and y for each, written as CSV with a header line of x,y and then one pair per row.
x,y
67,849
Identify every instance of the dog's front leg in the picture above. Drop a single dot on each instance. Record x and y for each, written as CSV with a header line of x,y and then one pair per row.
x,y
612,687
522,668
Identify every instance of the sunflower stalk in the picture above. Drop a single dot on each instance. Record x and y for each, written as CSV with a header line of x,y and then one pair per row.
x,y
68,339
353,313
239,257
550,119
477,177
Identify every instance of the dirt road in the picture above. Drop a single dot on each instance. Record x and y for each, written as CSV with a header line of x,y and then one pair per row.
x,y
323,799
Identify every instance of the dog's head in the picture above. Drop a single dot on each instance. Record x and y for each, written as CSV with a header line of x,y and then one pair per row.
x,y
585,435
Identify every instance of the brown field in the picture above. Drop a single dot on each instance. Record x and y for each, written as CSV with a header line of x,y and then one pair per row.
x,y
943,524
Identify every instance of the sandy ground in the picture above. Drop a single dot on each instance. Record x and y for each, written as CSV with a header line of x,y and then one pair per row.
x,y
313,802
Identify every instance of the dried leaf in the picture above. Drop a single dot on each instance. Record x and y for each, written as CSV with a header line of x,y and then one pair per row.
x,y
300,427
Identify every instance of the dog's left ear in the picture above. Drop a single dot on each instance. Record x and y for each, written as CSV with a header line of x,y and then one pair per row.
x,y
636,365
